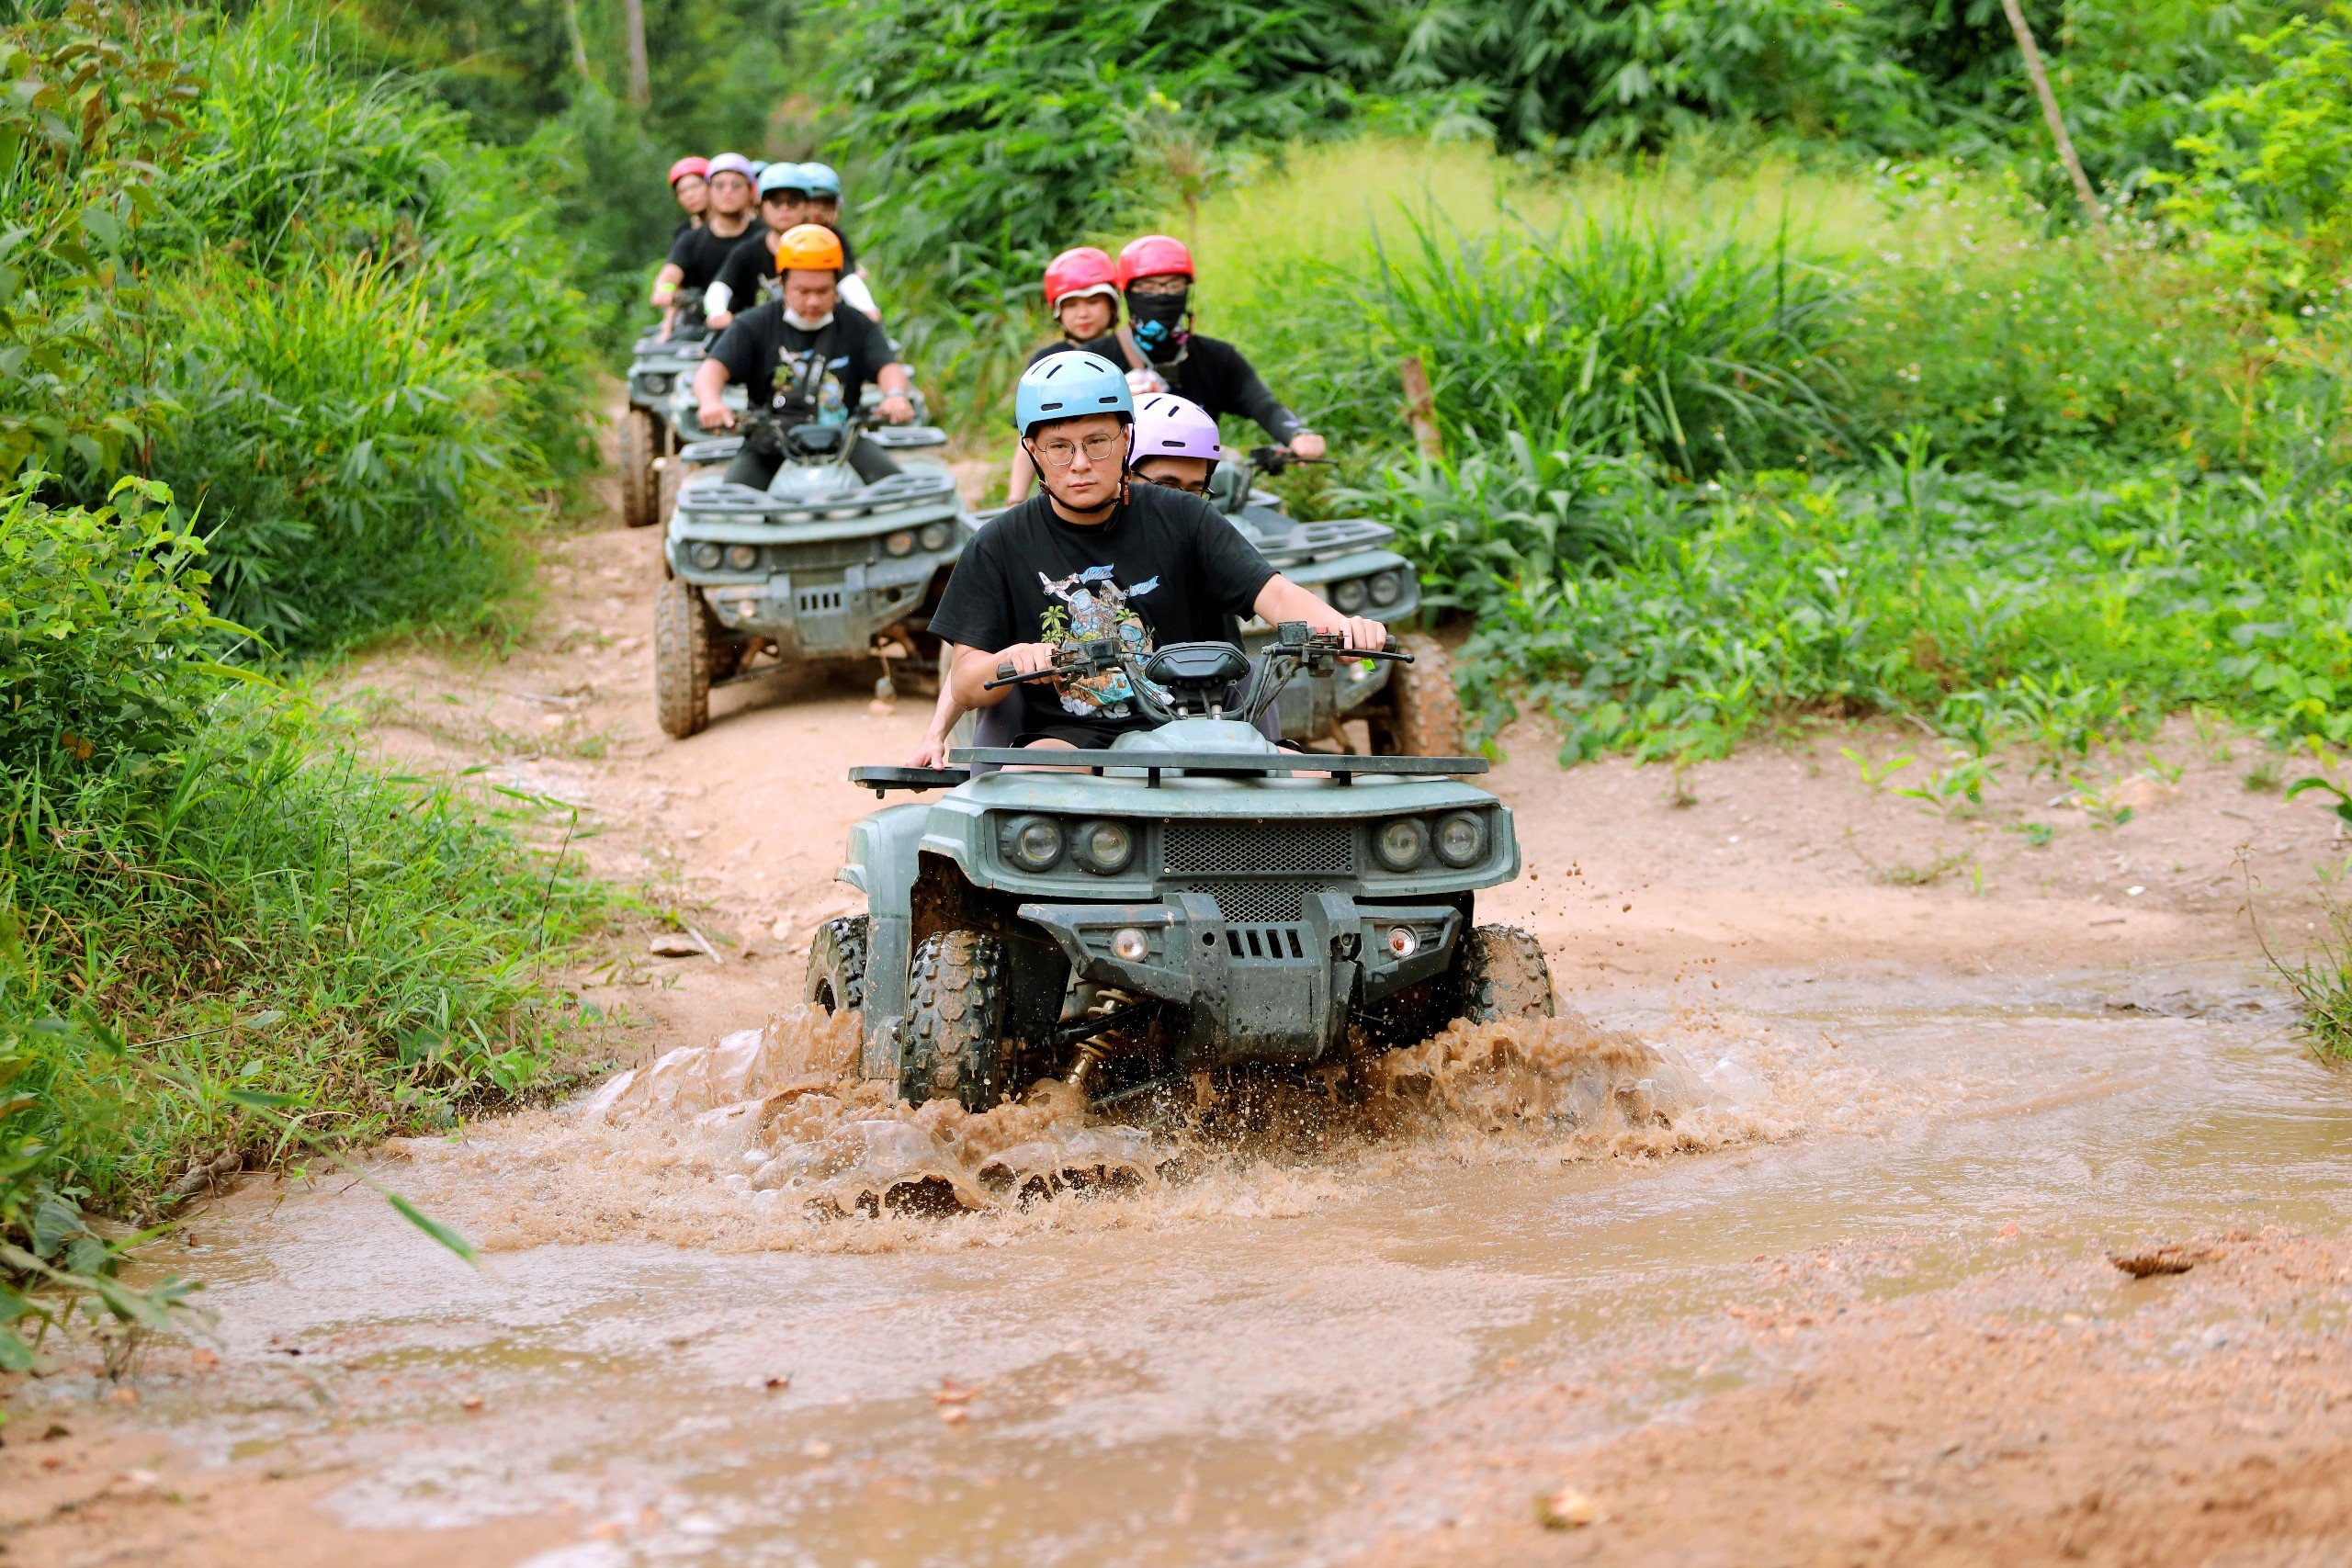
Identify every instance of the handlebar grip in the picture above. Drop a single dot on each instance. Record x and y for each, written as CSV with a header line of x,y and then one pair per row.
x,y
1005,677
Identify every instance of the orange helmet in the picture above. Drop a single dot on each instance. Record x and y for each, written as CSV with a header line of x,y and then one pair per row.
x,y
809,247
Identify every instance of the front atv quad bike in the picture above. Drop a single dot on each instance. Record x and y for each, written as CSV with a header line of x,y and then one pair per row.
x,y
648,437
819,567
1192,898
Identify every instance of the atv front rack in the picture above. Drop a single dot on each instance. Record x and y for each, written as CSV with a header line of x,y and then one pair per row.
x,y
1152,764
723,503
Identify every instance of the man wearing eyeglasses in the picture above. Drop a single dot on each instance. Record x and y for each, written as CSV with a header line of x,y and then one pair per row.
x,y
1092,556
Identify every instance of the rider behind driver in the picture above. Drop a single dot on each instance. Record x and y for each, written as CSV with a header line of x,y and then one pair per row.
x,y
1095,556
697,255
804,358
690,185
1082,292
1156,276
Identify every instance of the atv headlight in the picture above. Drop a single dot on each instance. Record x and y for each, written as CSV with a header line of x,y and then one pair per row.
x,y
705,554
1032,843
1461,839
901,543
742,557
1349,595
934,536
1400,842
656,384
1387,588
1105,846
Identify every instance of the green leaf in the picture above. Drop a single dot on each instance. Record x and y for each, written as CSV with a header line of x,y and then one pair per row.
x,y
434,1228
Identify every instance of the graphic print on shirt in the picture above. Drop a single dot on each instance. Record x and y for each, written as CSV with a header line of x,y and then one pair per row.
x,y
1091,607
805,376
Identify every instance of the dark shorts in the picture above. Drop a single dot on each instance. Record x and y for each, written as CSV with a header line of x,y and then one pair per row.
x,y
1083,736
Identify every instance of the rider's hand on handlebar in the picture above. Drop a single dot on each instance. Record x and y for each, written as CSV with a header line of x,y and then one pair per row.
x,y
897,408
1028,658
1309,445
715,416
1354,631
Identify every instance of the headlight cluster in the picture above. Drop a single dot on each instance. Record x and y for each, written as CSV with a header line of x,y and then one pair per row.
x,y
655,383
709,555
1040,843
933,536
1458,838
1380,590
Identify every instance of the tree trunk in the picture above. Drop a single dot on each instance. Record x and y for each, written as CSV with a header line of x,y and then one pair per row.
x,y
579,45
1421,409
640,78
2091,212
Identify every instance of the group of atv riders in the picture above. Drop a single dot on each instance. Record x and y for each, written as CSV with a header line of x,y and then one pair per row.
x,y
1117,424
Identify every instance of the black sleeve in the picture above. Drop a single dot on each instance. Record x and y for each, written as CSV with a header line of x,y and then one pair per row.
x,y
1230,567
1245,394
849,253
974,610
869,347
741,272
681,249
743,348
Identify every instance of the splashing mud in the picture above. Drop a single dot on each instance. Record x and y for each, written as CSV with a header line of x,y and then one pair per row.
x,y
766,1140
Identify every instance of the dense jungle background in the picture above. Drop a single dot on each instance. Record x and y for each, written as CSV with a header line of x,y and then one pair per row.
x,y
1776,371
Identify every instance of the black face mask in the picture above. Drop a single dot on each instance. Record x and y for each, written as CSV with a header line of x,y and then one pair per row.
x,y
1157,322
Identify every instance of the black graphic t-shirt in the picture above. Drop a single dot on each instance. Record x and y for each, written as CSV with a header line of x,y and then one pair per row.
x,y
700,253
755,343
750,272
1167,568
1218,377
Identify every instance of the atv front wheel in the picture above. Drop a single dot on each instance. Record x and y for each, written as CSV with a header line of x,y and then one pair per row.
x,y
682,659
955,1045
1502,974
670,480
637,444
837,965
1420,713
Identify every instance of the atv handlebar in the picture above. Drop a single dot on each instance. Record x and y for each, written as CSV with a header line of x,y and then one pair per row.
x,y
1274,459
1294,647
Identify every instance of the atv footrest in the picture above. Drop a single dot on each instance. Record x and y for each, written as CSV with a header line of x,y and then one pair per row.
x,y
883,779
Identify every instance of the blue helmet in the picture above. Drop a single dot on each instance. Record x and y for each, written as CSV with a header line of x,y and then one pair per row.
x,y
1070,386
819,179
782,176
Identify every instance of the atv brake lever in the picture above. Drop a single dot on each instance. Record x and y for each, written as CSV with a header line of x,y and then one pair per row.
x,y
1006,677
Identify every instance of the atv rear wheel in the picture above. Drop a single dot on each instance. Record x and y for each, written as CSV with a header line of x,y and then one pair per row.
x,y
955,1045
837,965
1503,974
670,480
682,659
638,445
1421,713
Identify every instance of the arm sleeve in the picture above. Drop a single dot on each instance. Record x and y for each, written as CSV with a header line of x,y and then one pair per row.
x,y
869,349
716,297
738,348
1245,394
857,297
1230,565
975,611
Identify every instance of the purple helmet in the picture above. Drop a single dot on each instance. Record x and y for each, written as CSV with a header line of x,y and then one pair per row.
x,y
1171,426
733,163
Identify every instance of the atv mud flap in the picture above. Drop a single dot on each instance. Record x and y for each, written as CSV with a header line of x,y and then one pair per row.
x,y
1256,990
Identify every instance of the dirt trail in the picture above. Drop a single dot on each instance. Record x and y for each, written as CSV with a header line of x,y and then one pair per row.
x,y
1867,1318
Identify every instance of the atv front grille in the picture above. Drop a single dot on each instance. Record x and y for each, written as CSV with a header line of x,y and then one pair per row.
x,y
1254,901
1260,848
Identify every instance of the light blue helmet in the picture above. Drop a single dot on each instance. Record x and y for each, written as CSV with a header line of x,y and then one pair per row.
x,y
1070,386
782,176
819,179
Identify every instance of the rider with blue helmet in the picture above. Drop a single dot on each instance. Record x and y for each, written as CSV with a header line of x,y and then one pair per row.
x,y
1093,557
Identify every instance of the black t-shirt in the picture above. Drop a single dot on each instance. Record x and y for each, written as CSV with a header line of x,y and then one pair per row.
x,y
700,253
1061,345
1217,375
750,272
1167,568
855,349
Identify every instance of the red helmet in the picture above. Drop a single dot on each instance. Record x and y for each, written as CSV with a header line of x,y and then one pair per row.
x,y
1084,270
1152,256
685,166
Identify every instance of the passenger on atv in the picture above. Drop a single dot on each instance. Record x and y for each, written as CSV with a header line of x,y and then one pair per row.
x,y
1163,353
789,197
1081,293
697,254
690,184
806,358
1096,556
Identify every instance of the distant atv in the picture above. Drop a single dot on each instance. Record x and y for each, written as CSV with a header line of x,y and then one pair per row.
x,y
649,437
1407,709
820,567
1193,897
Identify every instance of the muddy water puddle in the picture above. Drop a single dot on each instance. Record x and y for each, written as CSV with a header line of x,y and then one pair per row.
x,y
1239,1364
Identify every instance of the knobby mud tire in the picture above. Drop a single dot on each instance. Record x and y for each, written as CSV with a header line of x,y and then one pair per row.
x,y
682,659
1504,974
639,444
955,1046
837,965
1426,720
670,480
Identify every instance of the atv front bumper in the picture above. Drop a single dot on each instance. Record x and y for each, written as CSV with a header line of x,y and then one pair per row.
x,y
1257,990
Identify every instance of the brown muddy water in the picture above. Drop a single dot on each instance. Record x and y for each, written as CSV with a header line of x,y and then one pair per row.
x,y
1229,1359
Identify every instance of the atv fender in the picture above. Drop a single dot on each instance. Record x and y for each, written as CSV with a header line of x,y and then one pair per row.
x,y
883,859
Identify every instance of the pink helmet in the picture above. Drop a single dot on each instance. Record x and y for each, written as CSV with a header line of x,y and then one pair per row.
x,y
1171,426
733,163
1083,271
685,166
1152,256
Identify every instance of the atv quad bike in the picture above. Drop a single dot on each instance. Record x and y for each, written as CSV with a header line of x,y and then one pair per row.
x,y
649,433
820,566
1193,897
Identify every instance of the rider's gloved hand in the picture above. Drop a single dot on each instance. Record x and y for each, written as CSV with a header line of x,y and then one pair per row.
x,y
897,408
1309,445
